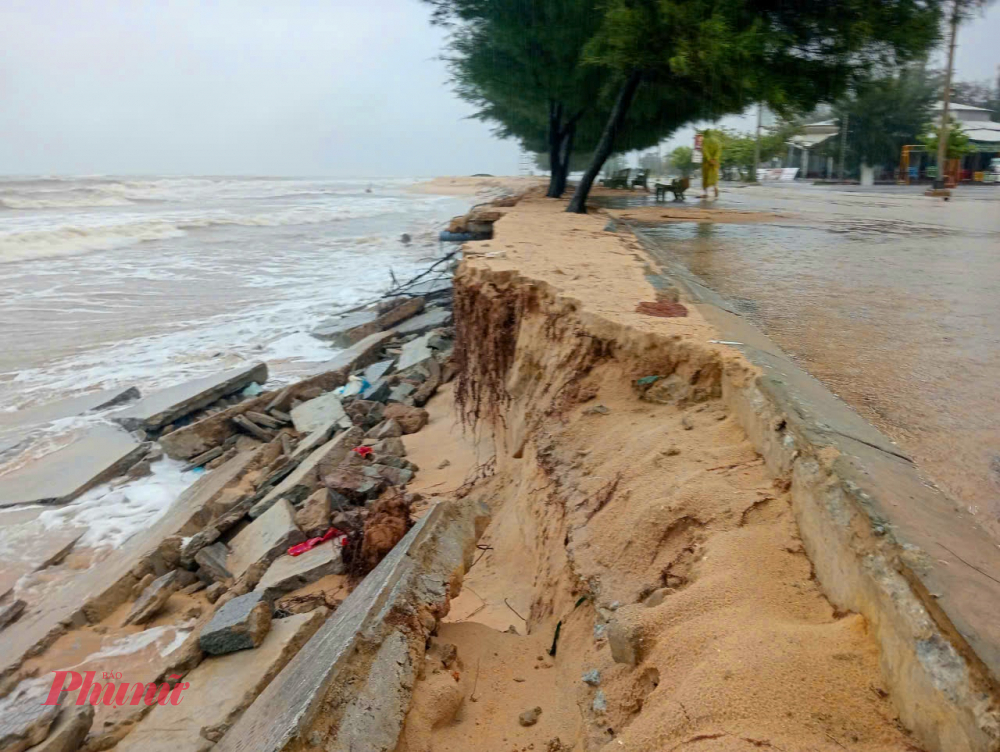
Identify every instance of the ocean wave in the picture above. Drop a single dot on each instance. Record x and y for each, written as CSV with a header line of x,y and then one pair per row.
x,y
70,240
52,192
62,202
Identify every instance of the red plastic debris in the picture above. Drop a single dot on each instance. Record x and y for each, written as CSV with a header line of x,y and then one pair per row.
x,y
364,451
310,544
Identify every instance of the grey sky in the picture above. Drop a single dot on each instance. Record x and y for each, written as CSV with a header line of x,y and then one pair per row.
x,y
339,87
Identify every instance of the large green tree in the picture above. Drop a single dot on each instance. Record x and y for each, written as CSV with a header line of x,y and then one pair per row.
x,y
882,116
682,160
520,63
715,57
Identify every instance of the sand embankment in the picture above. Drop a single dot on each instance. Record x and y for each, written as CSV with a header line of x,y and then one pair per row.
x,y
672,561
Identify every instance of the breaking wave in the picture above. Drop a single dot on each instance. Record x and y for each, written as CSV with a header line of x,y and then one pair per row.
x,y
74,239
65,201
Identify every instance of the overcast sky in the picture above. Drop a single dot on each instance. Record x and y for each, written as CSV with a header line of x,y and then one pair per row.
x,y
341,87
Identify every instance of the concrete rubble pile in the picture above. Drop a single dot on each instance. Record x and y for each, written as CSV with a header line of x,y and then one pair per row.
x,y
319,464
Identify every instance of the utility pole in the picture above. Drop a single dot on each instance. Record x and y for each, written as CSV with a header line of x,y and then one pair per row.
x,y
942,151
756,145
843,144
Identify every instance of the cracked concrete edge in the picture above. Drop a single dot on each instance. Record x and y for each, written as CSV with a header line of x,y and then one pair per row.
x,y
874,530
349,687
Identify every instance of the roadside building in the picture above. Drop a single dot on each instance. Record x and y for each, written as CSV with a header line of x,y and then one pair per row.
x,y
983,133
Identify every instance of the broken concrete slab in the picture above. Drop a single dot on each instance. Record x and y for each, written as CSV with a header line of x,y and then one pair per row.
x,y
98,591
99,455
24,718
354,483
10,612
415,352
152,599
313,518
354,327
69,730
316,413
70,407
310,702
429,319
358,355
387,429
376,371
307,476
432,289
212,562
188,441
221,689
239,624
401,393
337,330
191,546
290,573
167,405
315,439
264,539
377,391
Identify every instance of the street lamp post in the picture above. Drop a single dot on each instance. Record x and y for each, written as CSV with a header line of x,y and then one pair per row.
x,y
756,145
843,145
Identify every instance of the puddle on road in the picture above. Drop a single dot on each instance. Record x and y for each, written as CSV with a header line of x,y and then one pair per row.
x,y
900,318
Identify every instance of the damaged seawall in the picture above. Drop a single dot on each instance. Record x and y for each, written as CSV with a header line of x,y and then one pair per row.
x,y
882,542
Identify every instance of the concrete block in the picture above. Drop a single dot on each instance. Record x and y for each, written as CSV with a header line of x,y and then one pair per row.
x,y
414,353
378,391
213,563
307,477
376,371
354,327
290,573
167,405
153,599
264,539
358,355
315,439
317,413
239,624
429,319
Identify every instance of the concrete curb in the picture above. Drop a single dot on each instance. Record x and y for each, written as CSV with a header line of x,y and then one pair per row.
x,y
884,542
349,687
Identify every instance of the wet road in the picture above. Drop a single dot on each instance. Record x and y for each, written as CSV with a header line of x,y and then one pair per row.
x,y
890,298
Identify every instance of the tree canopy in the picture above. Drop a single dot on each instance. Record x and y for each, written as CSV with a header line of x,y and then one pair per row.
x,y
958,142
610,75
726,54
682,160
883,115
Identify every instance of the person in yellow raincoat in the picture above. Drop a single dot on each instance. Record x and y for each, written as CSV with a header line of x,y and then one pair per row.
x,y
711,158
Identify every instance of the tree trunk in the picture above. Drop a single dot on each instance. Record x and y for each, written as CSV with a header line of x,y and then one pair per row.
x,y
566,150
578,204
555,146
